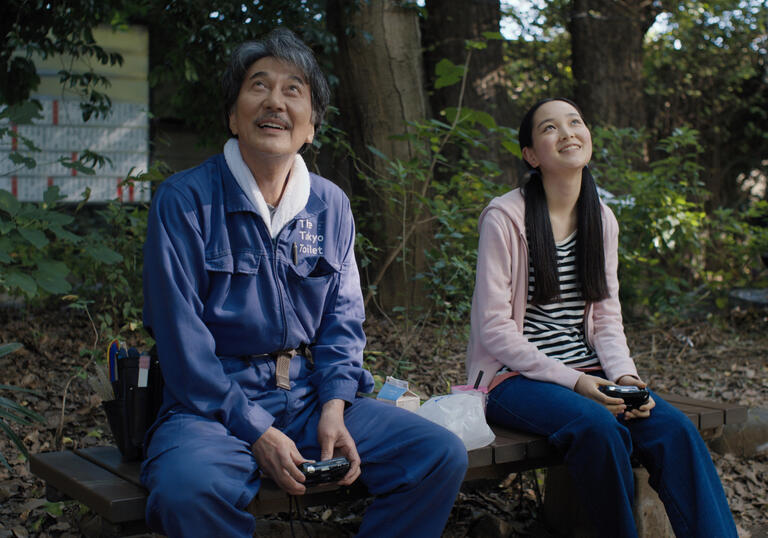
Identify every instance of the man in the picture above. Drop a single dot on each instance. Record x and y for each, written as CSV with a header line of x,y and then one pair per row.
x,y
252,293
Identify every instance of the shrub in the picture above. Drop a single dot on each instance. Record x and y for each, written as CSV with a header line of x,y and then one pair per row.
x,y
672,255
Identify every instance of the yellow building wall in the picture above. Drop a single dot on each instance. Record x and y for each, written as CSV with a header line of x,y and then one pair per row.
x,y
128,81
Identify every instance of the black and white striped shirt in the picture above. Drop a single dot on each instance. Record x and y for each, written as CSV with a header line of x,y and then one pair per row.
x,y
557,329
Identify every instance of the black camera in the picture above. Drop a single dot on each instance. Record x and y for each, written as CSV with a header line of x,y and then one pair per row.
x,y
633,396
322,472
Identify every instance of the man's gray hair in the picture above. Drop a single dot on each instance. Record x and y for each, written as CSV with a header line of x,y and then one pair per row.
x,y
282,44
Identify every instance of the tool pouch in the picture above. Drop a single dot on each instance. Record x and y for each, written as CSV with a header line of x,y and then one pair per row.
x,y
134,408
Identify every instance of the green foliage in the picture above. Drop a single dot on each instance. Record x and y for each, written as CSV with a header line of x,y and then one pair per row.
x,y
707,70
671,254
442,188
27,234
50,249
107,270
35,29
193,40
110,277
11,411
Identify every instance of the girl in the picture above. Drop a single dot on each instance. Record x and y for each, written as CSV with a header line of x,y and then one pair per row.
x,y
547,332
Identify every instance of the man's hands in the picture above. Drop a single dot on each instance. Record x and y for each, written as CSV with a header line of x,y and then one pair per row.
x,y
587,385
335,440
278,458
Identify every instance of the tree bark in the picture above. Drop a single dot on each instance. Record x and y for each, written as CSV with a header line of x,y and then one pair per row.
x,y
448,25
381,89
607,53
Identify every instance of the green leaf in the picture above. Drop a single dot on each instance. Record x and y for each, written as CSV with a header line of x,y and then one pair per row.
x,y
52,277
5,349
65,235
493,35
11,417
36,237
23,113
9,203
55,509
483,118
13,437
77,165
20,409
448,73
52,195
377,153
25,283
103,253
18,158
513,148
6,247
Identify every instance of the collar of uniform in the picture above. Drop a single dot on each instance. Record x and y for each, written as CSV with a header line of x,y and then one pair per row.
x,y
235,200
294,199
315,204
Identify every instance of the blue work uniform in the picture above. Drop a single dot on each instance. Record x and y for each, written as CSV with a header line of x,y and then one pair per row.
x,y
219,294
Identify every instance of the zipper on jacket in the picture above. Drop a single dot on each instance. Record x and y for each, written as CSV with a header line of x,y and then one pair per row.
x,y
274,243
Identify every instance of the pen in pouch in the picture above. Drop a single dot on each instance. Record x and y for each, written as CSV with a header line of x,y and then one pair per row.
x,y
295,253
143,371
112,350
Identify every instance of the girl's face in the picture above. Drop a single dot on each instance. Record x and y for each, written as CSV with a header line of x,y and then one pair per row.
x,y
561,140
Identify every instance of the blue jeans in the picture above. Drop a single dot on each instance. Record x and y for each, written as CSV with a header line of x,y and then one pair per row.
x,y
201,478
597,447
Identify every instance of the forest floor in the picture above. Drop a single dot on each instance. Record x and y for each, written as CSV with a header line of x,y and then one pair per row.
x,y
719,359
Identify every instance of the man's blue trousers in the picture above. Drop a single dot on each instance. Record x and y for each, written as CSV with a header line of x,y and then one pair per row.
x,y
201,478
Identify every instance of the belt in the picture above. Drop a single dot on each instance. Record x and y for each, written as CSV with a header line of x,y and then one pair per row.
x,y
283,362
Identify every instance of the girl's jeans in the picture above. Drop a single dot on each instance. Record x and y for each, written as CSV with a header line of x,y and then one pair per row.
x,y
597,448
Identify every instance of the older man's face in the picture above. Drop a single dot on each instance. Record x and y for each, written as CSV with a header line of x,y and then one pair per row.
x,y
272,116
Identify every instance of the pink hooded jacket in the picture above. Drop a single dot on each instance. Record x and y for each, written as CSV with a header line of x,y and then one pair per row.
x,y
500,298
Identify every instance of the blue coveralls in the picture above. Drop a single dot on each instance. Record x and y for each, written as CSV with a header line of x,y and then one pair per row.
x,y
217,292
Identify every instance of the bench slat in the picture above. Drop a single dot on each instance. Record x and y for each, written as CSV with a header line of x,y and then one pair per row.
x,y
107,494
732,413
110,459
99,478
480,457
511,445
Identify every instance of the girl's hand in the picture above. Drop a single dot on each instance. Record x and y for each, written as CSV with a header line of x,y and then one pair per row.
x,y
644,411
587,385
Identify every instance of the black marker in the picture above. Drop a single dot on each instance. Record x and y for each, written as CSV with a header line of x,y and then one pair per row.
x,y
479,377
295,255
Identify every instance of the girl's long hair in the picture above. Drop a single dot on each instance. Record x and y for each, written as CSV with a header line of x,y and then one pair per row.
x,y
590,256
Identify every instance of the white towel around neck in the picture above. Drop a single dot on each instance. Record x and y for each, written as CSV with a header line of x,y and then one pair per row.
x,y
294,197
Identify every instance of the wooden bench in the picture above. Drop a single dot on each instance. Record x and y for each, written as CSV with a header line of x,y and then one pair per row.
x,y
98,478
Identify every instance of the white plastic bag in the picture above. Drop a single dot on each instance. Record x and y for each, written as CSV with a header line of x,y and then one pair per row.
x,y
463,414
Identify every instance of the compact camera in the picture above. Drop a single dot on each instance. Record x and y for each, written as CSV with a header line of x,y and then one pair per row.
x,y
633,396
322,472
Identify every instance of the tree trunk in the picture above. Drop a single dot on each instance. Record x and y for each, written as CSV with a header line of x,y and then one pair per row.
x,y
449,24
381,89
607,48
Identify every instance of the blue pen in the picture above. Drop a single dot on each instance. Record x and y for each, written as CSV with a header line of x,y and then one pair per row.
x,y
112,351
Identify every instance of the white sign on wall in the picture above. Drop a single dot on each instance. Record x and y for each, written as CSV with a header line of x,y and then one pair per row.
x,y
122,138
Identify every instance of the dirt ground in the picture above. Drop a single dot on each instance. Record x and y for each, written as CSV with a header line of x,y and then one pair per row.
x,y
720,359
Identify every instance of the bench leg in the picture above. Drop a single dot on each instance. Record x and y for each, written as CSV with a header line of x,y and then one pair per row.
x,y
564,512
